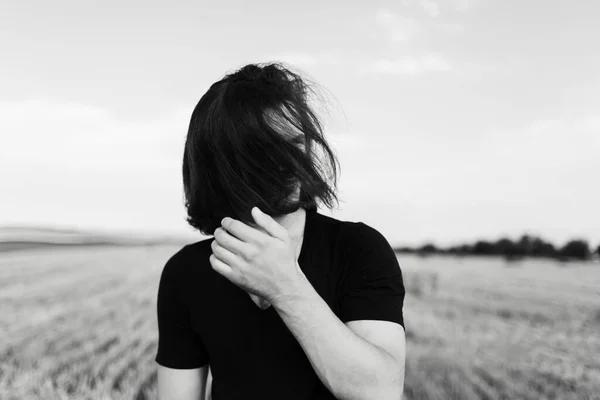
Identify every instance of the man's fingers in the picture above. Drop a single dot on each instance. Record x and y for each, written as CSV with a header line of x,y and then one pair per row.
x,y
241,231
271,226
231,243
224,255
222,268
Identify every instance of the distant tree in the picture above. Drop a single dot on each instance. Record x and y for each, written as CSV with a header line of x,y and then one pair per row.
x,y
483,247
536,247
428,248
442,250
525,245
404,249
540,248
461,249
505,247
578,249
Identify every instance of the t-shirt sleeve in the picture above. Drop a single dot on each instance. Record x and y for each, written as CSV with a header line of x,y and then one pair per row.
x,y
372,287
179,346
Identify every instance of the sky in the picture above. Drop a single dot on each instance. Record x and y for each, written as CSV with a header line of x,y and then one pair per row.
x,y
452,120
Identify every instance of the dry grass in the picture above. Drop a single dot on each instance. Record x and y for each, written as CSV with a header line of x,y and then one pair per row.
x,y
80,323
492,332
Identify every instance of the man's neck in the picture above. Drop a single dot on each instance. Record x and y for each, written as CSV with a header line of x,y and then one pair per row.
x,y
294,223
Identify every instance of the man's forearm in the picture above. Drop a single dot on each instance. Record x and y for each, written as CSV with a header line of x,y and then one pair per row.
x,y
348,365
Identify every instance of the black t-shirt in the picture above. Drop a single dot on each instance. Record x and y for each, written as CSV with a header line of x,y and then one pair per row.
x,y
203,318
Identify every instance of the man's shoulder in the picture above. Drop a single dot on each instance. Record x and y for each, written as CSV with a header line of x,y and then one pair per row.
x,y
355,232
201,247
353,238
331,223
189,255
360,237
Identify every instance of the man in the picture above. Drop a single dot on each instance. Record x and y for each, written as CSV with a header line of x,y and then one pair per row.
x,y
284,302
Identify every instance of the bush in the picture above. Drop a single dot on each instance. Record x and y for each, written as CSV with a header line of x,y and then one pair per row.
x,y
506,247
483,247
577,249
427,249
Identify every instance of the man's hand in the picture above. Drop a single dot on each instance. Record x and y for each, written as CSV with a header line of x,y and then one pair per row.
x,y
260,262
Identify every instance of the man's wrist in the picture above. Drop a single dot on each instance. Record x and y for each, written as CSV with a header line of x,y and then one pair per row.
x,y
297,289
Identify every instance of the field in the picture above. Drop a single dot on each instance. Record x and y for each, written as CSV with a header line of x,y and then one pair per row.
x,y
487,329
79,322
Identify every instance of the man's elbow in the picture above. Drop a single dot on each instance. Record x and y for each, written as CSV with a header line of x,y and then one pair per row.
x,y
385,384
392,389
389,392
394,392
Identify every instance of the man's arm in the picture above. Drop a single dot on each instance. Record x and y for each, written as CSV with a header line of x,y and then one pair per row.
x,y
182,384
182,359
364,363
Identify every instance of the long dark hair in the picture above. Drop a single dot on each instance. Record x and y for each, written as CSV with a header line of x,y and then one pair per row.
x,y
252,141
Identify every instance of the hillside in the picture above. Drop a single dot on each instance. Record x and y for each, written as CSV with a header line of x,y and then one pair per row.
x,y
20,237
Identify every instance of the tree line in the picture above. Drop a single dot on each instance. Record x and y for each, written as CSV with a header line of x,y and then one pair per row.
x,y
526,246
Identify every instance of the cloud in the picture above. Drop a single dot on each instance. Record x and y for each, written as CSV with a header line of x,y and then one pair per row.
x,y
408,65
72,164
397,28
463,5
77,164
433,8
44,131
400,28
591,125
536,177
302,59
